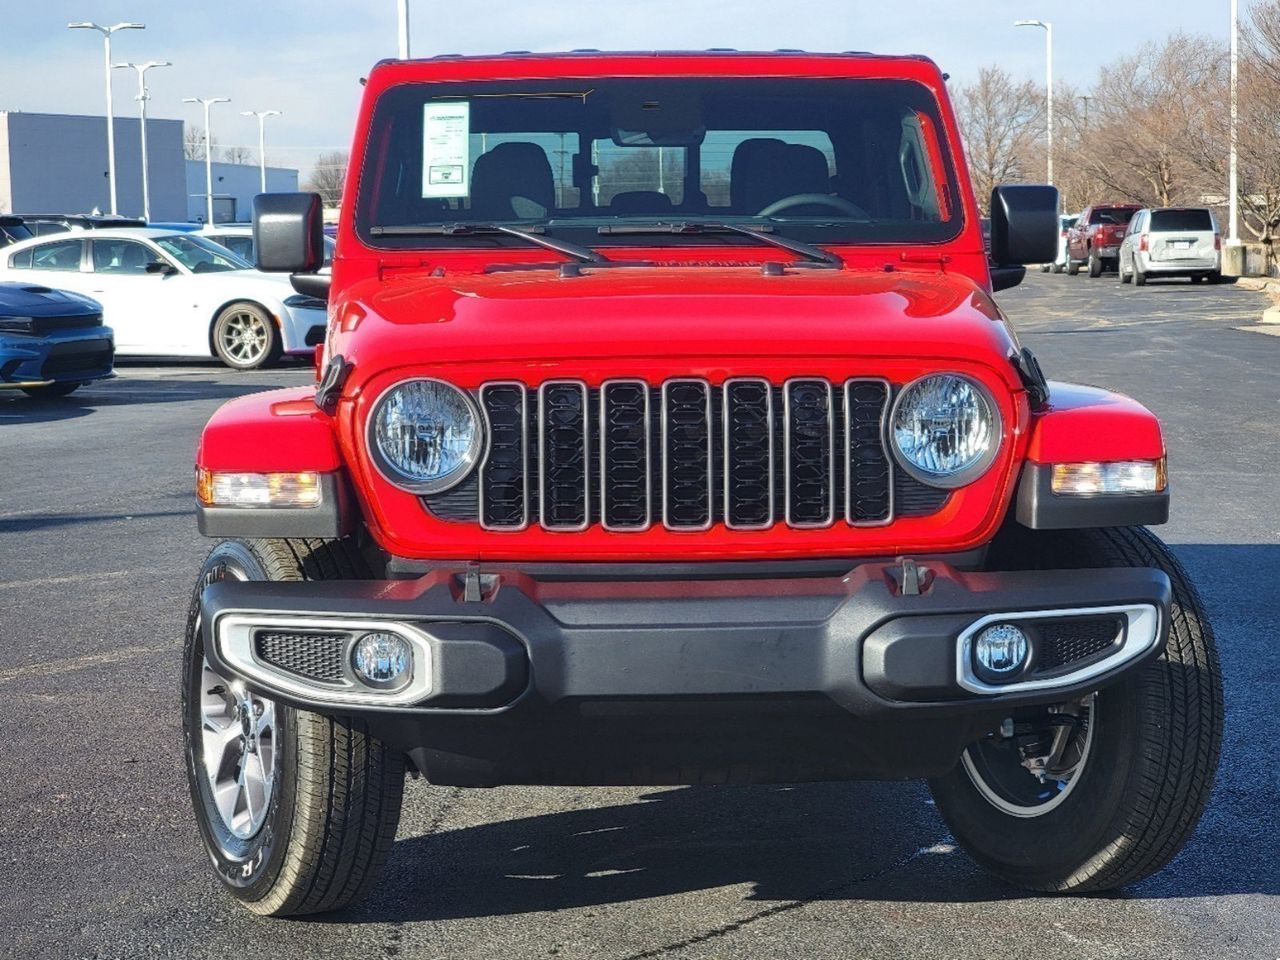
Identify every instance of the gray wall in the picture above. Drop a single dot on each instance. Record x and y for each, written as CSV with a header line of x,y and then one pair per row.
x,y
234,187
57,164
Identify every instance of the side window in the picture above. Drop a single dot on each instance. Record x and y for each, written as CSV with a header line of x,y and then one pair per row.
x,y
241,246
60,255
21,260
121,256
46,229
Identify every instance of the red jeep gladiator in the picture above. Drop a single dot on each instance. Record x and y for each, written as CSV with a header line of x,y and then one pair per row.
x,y
666,432
1096,237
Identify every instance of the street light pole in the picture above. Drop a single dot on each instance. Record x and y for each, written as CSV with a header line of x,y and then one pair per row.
x,y
106,61
402,23
262,141
207,102
1233,174
143,97
1048,47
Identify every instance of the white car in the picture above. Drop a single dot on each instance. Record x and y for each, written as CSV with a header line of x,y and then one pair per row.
x,y
1065,222
175,294
238,238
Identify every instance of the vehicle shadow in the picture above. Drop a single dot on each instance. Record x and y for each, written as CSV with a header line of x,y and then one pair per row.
x,y
120,392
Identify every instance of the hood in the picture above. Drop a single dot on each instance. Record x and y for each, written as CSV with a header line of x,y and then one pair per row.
x,y
34,300
668,312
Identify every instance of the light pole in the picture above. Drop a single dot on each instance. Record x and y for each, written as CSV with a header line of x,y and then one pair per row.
x,y
106,61
402,23
262,140
1048,56
207,102
142,98
1233,171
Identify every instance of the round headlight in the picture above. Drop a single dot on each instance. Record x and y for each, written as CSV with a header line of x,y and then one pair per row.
x,y
945,429
425,435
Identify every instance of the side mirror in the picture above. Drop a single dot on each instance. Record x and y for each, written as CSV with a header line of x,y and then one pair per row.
x,y
288,232
1024,229
160,267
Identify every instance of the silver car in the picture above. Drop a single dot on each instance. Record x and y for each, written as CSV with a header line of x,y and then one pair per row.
x,y
1171,242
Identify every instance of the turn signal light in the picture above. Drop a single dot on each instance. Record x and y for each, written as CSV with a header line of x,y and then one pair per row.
x,y
216,489
1124,476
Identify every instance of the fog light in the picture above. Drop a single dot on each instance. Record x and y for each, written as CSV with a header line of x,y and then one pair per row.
x,y
382,660
1000,651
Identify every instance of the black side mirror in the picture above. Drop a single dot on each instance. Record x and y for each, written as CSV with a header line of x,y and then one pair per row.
x,y
160,267
1024,224
288,232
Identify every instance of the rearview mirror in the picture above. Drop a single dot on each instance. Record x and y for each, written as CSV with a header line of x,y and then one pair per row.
x,y
1024,224
288,232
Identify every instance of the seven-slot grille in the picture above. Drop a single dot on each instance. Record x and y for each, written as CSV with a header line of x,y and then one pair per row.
x,y
684,455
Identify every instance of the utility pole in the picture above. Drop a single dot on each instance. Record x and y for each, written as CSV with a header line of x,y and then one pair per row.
x,y
262,141
207,102
1233,174
402,22
1048,45
142,98
106,68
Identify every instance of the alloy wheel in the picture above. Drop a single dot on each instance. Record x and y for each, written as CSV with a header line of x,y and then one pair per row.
x,y
244,337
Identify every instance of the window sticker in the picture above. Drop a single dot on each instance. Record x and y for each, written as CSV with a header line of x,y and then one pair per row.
x,y
446,161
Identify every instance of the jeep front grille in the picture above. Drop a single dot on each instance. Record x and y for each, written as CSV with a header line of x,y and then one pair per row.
x,y
685,455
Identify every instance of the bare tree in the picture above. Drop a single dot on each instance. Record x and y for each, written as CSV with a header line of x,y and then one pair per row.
x,y
193,142
1259,127
328,176
236,155
1000,120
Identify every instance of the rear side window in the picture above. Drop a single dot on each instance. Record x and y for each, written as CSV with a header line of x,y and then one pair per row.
x,y
1111,215
63,255
1169,221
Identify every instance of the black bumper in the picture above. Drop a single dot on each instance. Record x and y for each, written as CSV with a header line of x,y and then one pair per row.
x,y
576,681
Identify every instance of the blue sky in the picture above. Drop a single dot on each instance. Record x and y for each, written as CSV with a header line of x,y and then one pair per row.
x,y
305,57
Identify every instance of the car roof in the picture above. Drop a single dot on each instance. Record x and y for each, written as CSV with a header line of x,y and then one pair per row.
x,y
230,229
109,233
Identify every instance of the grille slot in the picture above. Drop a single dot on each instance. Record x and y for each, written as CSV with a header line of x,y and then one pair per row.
x,y
625,475
504,475
563,439
685,454
810,441
868,471
748,454
1069,641
319,657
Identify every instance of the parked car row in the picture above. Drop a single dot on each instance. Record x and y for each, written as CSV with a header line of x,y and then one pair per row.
x,y
1138,243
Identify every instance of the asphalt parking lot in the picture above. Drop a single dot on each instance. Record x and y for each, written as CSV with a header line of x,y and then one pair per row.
x,y
99,856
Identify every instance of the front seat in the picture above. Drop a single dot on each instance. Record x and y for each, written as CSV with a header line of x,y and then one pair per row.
x,y
765,171
134,258
513,181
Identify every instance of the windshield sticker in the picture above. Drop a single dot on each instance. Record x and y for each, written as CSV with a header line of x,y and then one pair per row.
x,y
446,135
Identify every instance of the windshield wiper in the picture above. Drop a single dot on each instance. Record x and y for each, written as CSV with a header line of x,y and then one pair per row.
x,y
762,232
529,234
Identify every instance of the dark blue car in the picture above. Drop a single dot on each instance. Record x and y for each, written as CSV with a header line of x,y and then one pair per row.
x,y
51,341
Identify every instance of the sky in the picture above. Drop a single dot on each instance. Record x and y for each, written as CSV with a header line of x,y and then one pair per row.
x,y
305,57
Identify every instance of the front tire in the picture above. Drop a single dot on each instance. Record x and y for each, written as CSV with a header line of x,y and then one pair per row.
x,y
245,337
296,810
1144,763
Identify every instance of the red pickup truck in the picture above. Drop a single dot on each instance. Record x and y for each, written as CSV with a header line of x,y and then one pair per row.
x,y
1095,239
667,431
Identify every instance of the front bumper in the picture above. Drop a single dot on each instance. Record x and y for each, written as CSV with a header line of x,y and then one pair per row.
x,y
65,356
564,679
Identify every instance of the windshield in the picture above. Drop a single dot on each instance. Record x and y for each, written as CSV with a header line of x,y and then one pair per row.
x,y
200,255
826,160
